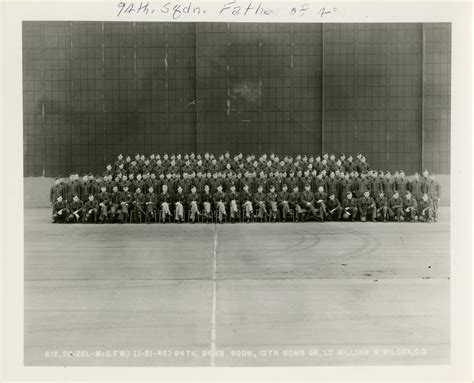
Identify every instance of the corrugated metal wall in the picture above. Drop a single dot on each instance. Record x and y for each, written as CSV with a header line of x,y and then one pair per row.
x,y
93,89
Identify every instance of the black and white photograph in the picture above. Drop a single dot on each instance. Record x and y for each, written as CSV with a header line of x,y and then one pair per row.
x,y
236,193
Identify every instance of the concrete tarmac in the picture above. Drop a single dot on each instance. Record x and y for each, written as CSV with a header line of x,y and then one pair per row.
x,y
236,294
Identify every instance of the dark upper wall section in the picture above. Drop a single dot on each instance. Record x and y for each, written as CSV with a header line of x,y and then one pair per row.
x,y
93,89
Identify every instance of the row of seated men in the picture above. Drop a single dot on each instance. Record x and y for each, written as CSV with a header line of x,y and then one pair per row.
x,y
336,182
123,206
208,163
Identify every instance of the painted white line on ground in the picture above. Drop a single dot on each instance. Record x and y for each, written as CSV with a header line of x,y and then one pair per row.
x,y
214,286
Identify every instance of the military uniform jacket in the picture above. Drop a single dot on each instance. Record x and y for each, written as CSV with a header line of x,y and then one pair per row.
x,y
349,203
115,198
199,183
381,201
151,197
84,190
179,197
332,186
233,196
401,185
395,202
434,189
415,188
388,186
220,197
245,196
307,196
376,186
90,205
425,204
76,205
139,198
193,197
283,196
103,197
291,182
346,186
207,197
320,196
272,197
165,197
56,191
411,202
333,204
72,188
57,206
126,197
365,202
295,198
362,186
259,197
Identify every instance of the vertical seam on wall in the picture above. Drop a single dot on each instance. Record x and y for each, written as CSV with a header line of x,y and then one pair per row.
x,y
196,116
43,135
422,94
103,93
292,119
259,57
228,77
135,45
356,83
322,88
387,98
166,79
71,46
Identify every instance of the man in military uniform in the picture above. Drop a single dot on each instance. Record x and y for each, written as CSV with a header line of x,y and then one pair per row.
x,y
193,203
220,200
151,202
415,187
272,201
259,200
434,193
72,186
91,209
395,206
207,201
234,200
367,207
425,209
126,200
334,208
115,198
283,202
246,201
332,184
295,203
179,202
410,208
165,201
104,201
320,198
388,185
60,210
381,204
308,201
351,207
139,200
76,210
58,189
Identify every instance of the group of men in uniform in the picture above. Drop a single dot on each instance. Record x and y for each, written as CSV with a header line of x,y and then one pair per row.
x,y
166,187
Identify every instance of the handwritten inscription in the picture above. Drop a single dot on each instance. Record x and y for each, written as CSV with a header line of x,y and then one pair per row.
x,y
230,8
